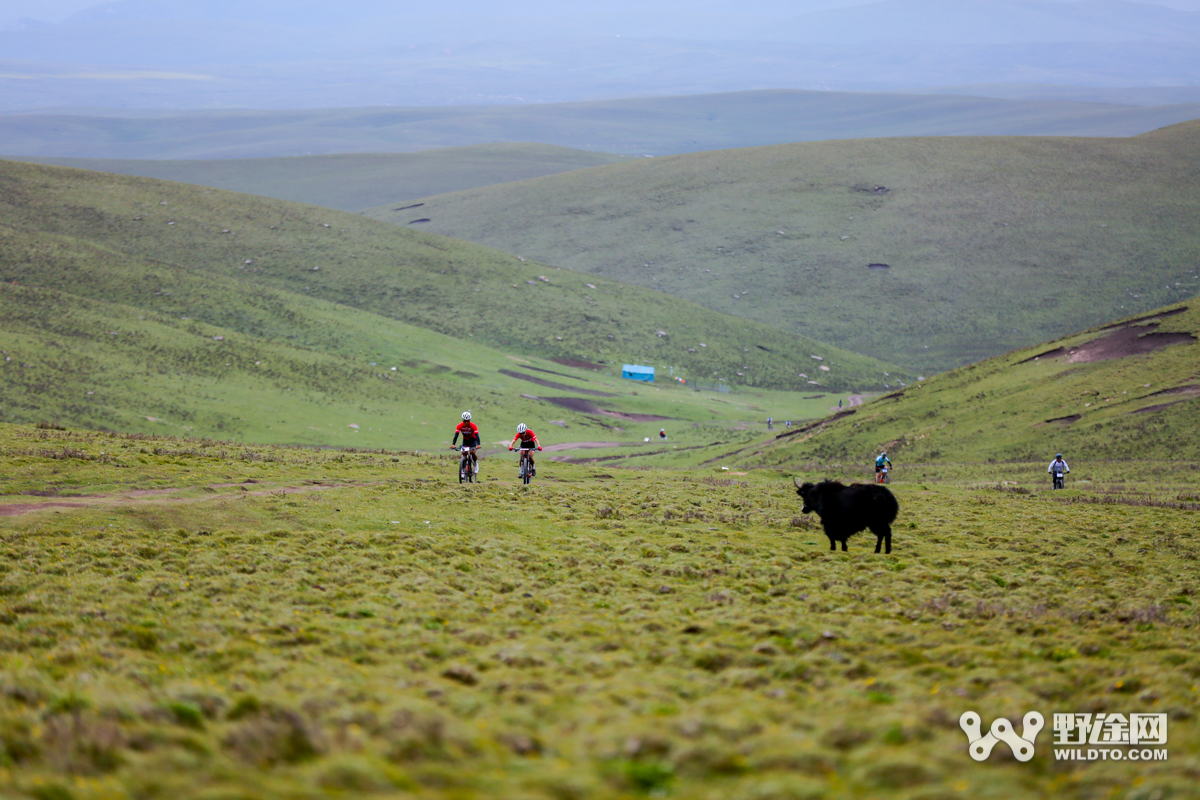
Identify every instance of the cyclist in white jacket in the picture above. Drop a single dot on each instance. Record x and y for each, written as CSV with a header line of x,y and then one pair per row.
x,y
1058,467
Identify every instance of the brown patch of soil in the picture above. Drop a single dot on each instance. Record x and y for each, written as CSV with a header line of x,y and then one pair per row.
x,y
588,407
552,385
24,508
1159,407
1058,351
143,496
574,362
1191,388
1061,420
1123,341
1149,318
552,372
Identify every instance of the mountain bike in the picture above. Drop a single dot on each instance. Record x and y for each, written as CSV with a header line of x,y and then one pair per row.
x,y
468,468
1059,482
526,470
881,475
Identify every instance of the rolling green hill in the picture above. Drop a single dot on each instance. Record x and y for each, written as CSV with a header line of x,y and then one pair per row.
x,y
352,182
981,245
141,305
1124,391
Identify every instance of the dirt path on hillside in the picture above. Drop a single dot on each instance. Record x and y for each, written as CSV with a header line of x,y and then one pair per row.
x,y
147,496
551,448
851,402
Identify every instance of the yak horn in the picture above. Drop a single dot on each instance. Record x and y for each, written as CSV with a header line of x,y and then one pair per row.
x,y
794,481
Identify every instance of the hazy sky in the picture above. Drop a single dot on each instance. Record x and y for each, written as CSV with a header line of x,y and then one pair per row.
x,y
321,53
44,10
58,10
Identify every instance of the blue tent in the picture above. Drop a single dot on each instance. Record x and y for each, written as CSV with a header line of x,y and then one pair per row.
x,y
636,372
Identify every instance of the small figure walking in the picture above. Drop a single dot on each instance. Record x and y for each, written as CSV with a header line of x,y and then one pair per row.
x,y
839,404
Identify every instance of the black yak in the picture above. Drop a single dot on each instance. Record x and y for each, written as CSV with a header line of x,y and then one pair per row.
x,y
846,510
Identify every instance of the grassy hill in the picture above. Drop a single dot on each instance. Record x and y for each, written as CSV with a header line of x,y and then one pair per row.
x,y
1125,391
685,123
200,620
132,304
990,243
352,182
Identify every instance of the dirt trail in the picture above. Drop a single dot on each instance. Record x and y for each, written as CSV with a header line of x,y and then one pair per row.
x,y
550,448
147,496
851,402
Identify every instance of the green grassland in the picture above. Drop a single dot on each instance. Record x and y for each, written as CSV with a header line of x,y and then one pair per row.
x,y
181,618
991,243
682,123
355,181
136,325
256,267
1026,406
108,366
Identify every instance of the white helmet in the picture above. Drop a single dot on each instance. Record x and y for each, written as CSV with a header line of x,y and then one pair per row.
x,y
466,416
521,428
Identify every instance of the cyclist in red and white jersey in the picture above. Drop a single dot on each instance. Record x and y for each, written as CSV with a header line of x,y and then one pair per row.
x,y
528,440
470,434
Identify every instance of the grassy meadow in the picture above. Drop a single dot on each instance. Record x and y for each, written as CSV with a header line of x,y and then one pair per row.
x,y
356,181
187,618
298,373
252,265
1029,404
990,243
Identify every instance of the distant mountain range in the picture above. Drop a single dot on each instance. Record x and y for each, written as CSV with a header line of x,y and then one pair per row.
x,y
191,54
637,126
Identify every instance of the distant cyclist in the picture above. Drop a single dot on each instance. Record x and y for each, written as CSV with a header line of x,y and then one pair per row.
x,y
770,423
470,434
882,465
1058,469
528,440
662,434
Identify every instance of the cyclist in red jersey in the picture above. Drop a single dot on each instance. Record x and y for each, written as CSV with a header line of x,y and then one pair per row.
x,y
528,441
470,434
